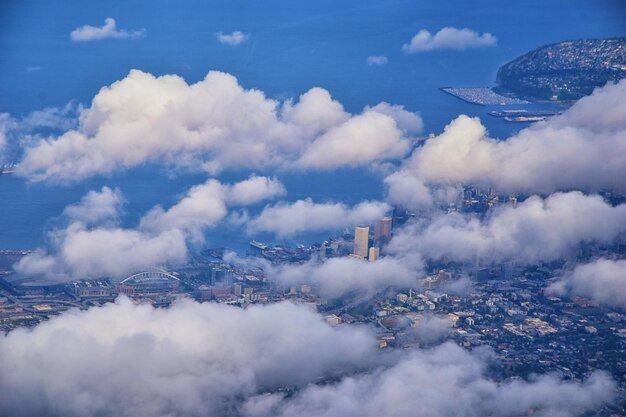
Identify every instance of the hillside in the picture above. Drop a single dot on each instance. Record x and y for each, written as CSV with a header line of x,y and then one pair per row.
x,y
564,71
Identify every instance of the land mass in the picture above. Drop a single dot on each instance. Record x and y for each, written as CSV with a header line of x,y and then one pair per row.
x,y
563,71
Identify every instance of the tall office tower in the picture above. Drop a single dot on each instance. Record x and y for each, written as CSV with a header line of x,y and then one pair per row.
x,y
361,241
382,231
374,253
400,216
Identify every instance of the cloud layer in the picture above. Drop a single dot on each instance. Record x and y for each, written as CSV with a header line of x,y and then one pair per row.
x,y
189,360
287,219
215,124
336,277
206,204
536,230
582,149
108,31
92,244
208,359
445,381
96,207
602,281
448,38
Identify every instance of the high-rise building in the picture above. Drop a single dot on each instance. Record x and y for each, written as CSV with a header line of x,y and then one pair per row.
x,y
382,231
400,216
361,241
322,252
374,253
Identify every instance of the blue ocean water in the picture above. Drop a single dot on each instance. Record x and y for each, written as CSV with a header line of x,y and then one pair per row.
x,y
293,47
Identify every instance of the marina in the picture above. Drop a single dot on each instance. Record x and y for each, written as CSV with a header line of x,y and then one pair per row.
x,y
482,96
7,169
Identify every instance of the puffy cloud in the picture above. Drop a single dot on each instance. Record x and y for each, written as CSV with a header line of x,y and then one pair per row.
x,y
206,204
202,207
376,60
254,190
214,124
233,39
108,31
116,252
38,264
96,207
339,276
315,111
364,138
584,149
16,132
410,123
286,219
407,190
93,245
81,252
209,359
444,381
427,329
536,230
188,360
448,38
603,281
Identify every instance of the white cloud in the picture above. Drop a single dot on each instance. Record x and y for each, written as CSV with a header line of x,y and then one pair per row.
x,y
82,252
233,39
96,207
286,219
336,277
584,149
536,230
448,38
410,123
460,286
202,207
408,191
108,31
364,138
197,359
444,381
25,130
254,190
206,204
57,118
376,60
188,360
602,281
213,125
429,329
315,112
93,245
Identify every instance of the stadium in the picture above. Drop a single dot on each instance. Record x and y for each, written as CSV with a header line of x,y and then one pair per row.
x,y
148,283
